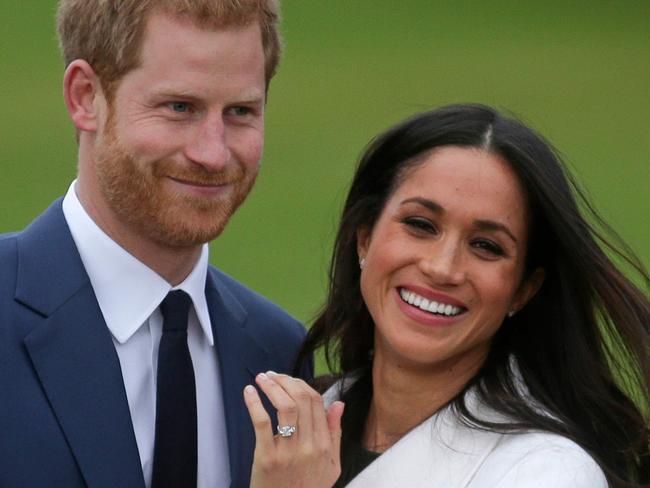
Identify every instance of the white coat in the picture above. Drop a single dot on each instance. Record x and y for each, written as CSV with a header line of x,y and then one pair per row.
x,y
442,452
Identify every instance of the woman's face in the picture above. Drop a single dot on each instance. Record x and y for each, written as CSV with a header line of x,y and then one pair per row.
x,y
444,263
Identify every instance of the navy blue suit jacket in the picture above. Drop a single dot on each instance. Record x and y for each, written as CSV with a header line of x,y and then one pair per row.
x,y
64,416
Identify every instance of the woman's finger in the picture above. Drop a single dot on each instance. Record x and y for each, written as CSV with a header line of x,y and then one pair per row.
x,y
320,424
334,416
302,395
259,417
288,414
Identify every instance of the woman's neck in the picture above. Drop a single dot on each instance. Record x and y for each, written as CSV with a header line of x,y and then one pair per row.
x,y
403,397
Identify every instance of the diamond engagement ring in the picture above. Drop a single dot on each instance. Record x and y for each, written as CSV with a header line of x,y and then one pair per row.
x,y
286,430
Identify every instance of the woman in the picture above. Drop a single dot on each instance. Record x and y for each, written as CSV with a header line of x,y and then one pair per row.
x,y
483,337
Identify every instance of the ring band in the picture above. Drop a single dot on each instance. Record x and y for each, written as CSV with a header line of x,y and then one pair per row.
x,y
286,430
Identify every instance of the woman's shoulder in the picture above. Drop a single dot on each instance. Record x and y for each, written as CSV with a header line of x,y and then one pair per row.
x,y
538,460
533,459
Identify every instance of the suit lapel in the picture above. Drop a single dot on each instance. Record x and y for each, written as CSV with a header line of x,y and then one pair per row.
x,y
240,358
73,355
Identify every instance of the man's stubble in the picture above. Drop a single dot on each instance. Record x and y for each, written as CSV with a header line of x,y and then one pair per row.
x,y
136,193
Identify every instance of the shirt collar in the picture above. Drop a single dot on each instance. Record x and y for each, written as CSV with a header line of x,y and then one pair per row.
x,y
127,290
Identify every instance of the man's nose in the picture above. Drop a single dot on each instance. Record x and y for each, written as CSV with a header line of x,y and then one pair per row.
x,y
209,146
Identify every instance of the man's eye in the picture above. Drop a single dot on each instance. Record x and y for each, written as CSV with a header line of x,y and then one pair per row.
x,y
240,111
180,107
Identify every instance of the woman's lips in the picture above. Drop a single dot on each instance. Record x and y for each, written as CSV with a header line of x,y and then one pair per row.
x,y
428,307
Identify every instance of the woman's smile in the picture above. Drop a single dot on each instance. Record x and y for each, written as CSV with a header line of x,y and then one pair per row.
x,y
430,312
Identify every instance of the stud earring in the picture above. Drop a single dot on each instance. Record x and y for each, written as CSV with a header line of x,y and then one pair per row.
x,y
511,313
362,263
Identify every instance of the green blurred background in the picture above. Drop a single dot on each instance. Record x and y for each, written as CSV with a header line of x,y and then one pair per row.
x,y
579,71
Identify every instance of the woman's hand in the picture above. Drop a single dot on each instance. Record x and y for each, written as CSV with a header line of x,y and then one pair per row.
x,y
308,458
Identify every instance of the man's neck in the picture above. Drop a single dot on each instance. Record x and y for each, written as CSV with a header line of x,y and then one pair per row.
x,y
174,264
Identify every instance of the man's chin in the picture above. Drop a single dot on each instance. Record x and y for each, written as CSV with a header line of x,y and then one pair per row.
x,y
172,220
184,235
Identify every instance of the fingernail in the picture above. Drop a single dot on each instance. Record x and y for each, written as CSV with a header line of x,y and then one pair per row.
x,y
250,389
271,373
262,376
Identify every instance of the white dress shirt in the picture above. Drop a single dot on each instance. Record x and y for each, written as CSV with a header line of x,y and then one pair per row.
x,y
129,293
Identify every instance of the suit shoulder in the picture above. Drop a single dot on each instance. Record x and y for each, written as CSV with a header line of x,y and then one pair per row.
x,y
258,307
8,253
5,239
538,460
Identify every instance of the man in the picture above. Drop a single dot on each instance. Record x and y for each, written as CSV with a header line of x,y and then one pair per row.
x,y
167,98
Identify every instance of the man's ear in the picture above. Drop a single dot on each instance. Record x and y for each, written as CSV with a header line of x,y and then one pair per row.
x,y
529,286
81,89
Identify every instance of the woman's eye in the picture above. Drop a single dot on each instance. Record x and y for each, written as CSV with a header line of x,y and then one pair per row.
x,y
419,224
180,107
489,247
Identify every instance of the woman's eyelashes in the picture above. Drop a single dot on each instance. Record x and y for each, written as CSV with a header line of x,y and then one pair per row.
x,y
419,224
488,247
485,247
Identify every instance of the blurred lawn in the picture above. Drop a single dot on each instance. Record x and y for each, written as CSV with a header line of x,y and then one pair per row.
x,y
579,71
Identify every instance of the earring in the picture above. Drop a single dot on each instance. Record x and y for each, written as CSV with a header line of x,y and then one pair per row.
x,y
362,262
511,313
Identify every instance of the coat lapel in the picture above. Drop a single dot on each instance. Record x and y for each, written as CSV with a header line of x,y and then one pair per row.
x,y
241,357
441,452
73,354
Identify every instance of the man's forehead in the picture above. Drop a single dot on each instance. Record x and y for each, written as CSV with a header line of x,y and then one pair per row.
x,y
175,35
183,60
209,14
170,41
175,19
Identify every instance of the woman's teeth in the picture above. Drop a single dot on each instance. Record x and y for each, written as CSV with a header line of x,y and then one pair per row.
x,y
428,305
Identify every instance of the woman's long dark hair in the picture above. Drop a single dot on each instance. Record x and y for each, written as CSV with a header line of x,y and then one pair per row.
x,y
581,345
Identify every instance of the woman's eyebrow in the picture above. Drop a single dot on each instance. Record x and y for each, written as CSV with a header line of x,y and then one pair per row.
x,y
425,202
491,225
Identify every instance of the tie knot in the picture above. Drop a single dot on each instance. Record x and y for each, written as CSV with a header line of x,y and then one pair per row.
x,y
175,309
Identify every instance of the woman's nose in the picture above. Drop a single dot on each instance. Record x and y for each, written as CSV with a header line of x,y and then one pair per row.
x,y
443,263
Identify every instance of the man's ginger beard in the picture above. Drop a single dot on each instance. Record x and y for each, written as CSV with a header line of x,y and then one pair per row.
x,y
142,200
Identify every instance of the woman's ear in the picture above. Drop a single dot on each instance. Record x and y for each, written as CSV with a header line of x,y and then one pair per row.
x,y
81,89
529,286
363,241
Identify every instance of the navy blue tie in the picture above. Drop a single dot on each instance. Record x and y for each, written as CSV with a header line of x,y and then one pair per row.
x,y
175,457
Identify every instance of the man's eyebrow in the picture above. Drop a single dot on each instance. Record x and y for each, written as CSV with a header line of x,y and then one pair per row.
x,y
251,97
248,101
481,224
172,93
